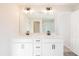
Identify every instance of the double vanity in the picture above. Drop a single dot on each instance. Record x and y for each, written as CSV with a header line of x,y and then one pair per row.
x,y
36,35
37,45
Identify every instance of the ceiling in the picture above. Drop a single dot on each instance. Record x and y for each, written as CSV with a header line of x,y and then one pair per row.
x,y
55,6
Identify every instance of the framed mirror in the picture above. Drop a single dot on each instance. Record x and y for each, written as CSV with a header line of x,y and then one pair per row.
x,y
36,22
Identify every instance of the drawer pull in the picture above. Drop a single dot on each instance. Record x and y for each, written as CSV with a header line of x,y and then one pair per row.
x,y
37,40
37,46
37,55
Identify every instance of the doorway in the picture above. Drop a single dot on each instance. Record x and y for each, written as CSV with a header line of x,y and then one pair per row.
x,y
36,27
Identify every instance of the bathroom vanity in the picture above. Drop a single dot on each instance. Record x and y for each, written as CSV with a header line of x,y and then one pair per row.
x,y
37,45
39,40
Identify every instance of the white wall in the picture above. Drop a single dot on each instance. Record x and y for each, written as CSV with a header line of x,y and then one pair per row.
x,y
8,26
75,32
63,26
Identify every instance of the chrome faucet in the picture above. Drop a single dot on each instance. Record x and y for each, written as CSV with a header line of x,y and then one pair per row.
x,y
27,33
48,33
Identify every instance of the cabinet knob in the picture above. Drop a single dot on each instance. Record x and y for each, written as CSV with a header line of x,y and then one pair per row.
x,y
53,46
37,55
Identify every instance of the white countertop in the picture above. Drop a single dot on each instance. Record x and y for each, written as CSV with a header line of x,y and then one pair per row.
x,y
41,36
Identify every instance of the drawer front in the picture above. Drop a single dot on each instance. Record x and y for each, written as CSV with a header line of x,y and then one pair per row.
x,y
22,41
37,52
51,40
37,46
37,40
37,49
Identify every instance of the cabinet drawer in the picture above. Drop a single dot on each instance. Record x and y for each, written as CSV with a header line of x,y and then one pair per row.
x,y
37,47
51,40
37,41
22,41
37,52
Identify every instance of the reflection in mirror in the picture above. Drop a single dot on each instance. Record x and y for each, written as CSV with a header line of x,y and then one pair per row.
x,y
47,22
36,26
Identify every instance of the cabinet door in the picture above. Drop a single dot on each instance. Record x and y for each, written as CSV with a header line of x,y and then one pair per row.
x,y
28,49
52,49
58,49
17,49
46,49
22,49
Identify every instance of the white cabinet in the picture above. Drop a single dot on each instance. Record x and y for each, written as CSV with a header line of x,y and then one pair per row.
x,y
46,49
52,49
17,50
58,49
28,49
38,47
22,49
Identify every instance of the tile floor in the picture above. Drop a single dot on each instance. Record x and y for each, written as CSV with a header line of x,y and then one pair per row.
x,y
68,52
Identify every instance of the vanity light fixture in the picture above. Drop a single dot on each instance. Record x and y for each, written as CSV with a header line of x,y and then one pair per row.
x,y
28,9
48,8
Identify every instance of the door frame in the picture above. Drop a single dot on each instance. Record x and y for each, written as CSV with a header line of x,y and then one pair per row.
x,y
39,20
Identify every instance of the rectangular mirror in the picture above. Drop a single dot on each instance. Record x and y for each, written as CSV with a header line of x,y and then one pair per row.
x,y
37,22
